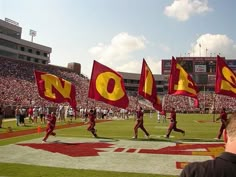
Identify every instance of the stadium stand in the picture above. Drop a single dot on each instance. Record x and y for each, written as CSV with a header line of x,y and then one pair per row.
x,y
18,87
208,102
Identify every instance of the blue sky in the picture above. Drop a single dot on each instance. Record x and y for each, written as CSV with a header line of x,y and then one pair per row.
x,y
120,33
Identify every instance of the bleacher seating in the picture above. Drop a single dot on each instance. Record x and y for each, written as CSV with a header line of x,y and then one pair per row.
x,y
18,87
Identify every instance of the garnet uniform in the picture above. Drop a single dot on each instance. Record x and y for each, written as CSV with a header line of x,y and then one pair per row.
x,y
139,124
173,124
223,118
50,126
92,123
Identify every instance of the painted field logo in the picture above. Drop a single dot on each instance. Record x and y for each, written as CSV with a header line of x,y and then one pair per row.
x,y
71,149
88,149
212,150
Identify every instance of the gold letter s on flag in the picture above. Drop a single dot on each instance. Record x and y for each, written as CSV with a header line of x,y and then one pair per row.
x,y
230,79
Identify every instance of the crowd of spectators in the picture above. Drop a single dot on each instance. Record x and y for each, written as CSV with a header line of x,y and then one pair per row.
x,y
18,87
208,103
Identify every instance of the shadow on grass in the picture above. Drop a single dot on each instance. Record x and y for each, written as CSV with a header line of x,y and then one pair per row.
x,y
178,141
154,139
201,140
100,139
105,139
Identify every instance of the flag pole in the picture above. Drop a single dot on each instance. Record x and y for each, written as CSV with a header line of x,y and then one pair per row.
x,y
200,49
136,107
163,101
214,109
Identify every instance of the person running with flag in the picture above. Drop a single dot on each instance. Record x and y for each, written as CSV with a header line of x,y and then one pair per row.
x,y
139,123
50,126
92,123
173,124
223,118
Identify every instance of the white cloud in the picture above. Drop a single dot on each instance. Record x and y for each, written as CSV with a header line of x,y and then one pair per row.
x,y
136,66
119,54
164,48
215,44
120,48
183,9
130,66
154,65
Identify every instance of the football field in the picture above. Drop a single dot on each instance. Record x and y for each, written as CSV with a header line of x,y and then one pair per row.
x,y
74,152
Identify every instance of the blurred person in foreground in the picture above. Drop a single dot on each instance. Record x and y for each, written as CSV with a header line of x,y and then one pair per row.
x,y
222,166
163,115
1,115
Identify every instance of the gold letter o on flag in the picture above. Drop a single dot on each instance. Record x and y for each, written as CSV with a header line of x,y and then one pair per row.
x,y
102,84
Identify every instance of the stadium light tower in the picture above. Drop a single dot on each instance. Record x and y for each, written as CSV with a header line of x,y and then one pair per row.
x,y
214,106
32,33
200,46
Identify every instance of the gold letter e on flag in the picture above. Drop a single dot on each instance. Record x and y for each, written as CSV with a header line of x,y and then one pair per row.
x,y
183,83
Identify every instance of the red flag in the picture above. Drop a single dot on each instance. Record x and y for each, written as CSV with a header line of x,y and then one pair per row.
x,y
181,83
147,87
225,79
55,89
108,86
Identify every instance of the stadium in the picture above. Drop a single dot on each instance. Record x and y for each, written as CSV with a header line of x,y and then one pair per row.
x,y
20,58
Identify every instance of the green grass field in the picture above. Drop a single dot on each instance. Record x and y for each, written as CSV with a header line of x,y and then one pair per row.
x,y
204,131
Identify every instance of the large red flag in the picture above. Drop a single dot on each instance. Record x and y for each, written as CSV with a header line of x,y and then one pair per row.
x,y
108,86
181,83
225,79
55,89
147,87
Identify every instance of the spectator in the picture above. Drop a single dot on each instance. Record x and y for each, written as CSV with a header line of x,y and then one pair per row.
x,y
35,114
1,115
163,115
30,114
22,115
70,113
158,117
17,115
222,166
